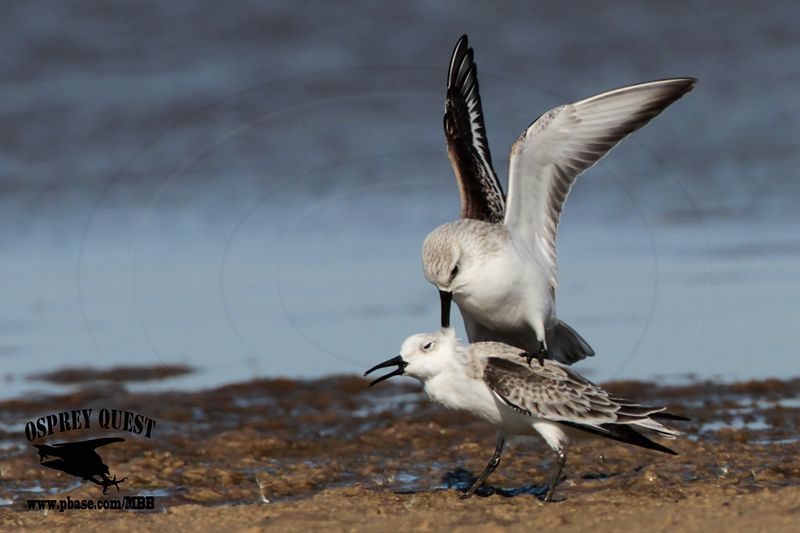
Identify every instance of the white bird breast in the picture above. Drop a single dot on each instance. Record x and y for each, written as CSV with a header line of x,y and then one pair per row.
x,y
475,397
502,287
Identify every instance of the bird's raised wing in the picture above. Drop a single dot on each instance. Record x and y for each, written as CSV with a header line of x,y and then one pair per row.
x,y
482,195
561,144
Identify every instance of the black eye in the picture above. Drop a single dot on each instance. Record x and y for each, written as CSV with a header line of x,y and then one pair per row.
x,y
428,346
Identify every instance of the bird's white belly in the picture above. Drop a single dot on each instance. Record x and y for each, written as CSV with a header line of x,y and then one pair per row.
x,y
496,291
503,303
475,397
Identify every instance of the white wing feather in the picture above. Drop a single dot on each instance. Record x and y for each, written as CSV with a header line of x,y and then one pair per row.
x,y
561,144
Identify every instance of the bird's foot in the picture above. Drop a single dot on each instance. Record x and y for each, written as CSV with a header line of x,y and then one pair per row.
x,y
538,355
471,490
477,484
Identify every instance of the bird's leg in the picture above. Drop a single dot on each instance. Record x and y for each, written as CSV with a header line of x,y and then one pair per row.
x,y
538,355
493,463
559,466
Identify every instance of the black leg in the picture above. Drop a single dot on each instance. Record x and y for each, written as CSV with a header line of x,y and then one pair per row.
x,y
493,463
559,466
539,355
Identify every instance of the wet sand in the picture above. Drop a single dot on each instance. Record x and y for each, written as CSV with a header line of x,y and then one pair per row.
x,y
333,454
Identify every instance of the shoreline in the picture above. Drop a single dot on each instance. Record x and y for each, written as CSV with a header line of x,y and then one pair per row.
x,y
333,453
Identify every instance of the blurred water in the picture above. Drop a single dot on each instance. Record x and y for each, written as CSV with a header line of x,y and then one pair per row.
x,y
246,190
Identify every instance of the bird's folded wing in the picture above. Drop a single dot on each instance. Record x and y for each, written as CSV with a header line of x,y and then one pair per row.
x,y
482,196
556,393
548,157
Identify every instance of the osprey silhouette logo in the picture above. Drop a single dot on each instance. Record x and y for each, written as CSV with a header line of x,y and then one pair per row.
x,y
81,458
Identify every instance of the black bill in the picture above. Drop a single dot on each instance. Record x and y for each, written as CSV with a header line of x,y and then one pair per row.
x,y
446,298
394,361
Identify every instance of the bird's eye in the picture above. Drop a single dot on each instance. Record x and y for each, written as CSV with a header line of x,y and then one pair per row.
x,y
427,346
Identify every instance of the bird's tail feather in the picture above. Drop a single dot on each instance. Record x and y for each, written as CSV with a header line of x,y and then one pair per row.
x,y
566,346
623,433
659,429
669,416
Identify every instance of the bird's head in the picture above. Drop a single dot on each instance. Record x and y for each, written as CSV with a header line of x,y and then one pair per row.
x,y
441,262
422,356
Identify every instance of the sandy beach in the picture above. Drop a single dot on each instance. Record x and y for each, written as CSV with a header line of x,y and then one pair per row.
x,y
296,455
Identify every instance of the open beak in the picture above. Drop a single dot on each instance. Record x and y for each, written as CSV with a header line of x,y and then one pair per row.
x,y
398,361
446,298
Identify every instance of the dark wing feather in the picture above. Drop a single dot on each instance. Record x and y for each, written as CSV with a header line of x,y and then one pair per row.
x,y
622,433
670,416
482,195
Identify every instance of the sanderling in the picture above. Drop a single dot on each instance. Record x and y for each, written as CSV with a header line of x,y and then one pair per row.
x,y
502,385
499,261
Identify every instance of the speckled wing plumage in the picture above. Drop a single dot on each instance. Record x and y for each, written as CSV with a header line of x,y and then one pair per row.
x,y
548,391
562,143
482,195
556,393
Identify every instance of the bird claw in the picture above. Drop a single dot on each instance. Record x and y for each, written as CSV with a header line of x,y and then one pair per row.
x,y
539,356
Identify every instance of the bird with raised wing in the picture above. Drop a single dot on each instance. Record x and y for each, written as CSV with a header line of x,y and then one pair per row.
x,y
498,262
